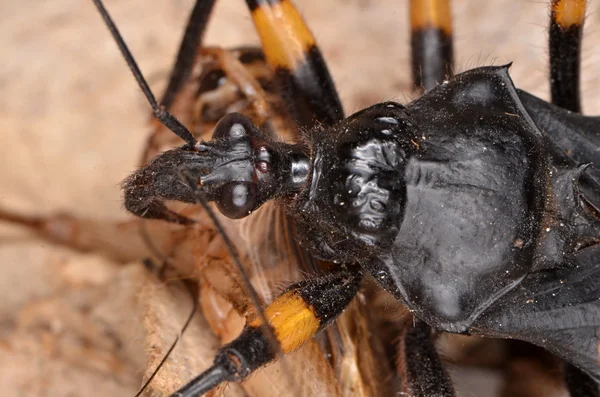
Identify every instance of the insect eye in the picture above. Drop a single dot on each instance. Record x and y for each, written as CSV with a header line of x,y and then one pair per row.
x,y
263,159
237,200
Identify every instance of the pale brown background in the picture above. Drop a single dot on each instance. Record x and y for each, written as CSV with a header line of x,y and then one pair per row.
x,y
72,125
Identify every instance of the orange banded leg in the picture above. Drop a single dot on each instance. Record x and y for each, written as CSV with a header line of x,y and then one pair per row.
x,y
431,42
419,364
566,33
300,71
295,317
566,27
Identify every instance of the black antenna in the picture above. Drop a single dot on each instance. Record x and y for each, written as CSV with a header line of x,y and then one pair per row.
x,y
160,112
190,288
174,343
217,374
171,122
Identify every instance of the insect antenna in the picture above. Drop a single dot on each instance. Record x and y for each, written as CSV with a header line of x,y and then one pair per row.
x,y
215,374
194,295
190,287
162,114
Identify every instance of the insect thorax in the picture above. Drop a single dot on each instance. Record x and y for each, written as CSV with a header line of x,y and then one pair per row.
x,y
353,203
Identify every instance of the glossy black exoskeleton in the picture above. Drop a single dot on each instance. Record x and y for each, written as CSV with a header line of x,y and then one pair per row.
x,y
466,205
477,205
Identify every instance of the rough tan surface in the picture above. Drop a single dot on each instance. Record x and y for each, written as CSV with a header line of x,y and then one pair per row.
x,y
73,122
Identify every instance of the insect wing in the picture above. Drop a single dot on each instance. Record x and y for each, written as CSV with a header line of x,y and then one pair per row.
x,y
558,310
575,140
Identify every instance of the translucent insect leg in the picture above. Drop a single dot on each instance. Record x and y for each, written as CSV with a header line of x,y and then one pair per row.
x,y
120,242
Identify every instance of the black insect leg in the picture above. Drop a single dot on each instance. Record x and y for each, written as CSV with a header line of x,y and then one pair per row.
x,y
191,43
300,71
566,32
579,383
431,42
419,364
566,28
295,317
301,74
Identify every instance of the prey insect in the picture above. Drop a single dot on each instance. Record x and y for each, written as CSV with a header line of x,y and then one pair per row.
x,y
475,205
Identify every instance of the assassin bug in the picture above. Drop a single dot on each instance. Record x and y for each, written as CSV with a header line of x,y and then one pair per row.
x,y
345,83
471,205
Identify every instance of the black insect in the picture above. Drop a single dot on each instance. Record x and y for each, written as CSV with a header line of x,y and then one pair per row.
x,y
477,205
